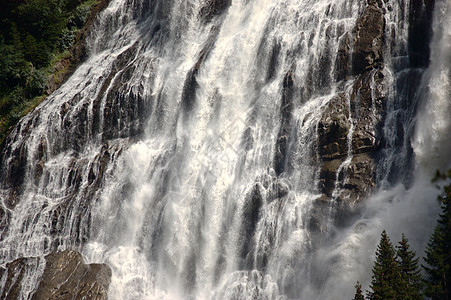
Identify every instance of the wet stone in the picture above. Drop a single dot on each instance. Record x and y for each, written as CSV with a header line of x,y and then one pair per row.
x,y
66,276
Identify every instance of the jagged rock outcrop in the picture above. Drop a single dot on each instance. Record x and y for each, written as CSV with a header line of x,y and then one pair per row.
x,y
65,276
349,130
360,56
368,36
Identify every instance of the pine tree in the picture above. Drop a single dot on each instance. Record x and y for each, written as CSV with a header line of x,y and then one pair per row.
x,y
411,282
358,292
386,271
438,250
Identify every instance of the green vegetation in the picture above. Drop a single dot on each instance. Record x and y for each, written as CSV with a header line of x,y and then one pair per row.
x,y
386,272
410,280
358,292
34,36
396,272
438,250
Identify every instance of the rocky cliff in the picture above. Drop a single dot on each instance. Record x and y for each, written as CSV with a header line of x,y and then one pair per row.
x,y
352,123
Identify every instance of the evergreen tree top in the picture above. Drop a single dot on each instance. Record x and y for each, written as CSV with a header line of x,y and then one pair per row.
x,y
358,292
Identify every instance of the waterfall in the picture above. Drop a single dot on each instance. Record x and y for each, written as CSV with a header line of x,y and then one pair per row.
x,y
234,149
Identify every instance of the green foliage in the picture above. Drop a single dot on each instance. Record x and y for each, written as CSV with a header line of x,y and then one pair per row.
x,y
36,83
32,34
358,292
35,51
67,38
396,273
438,250
386,271
80,16
411,282
43,19
14,69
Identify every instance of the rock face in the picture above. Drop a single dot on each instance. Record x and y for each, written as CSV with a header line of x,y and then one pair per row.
x,y
368,34
349,130
16,275
65,276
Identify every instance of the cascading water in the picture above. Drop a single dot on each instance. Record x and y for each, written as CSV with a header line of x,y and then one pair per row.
x,y
184,151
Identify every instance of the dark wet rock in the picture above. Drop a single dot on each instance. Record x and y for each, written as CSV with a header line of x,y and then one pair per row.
x,y
66,276
333,129
17,166
125,108
286,109
269,190
354,180
247,140
190,86
250,215
78,51
5,217
359,178
282,189
362,109
318,217
273,63
368,105
277,189
368,39
328,176
346,183
40,158
342,62
397,170
420,32
281,154
62,215
14,277
124,114
14,159
213,8
189,89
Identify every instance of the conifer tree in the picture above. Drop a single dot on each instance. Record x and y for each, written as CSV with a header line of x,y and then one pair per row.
x,y
438,250
386,271
411,282
358,292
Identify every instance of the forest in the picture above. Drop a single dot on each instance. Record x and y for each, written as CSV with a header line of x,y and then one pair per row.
x,y
34,36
